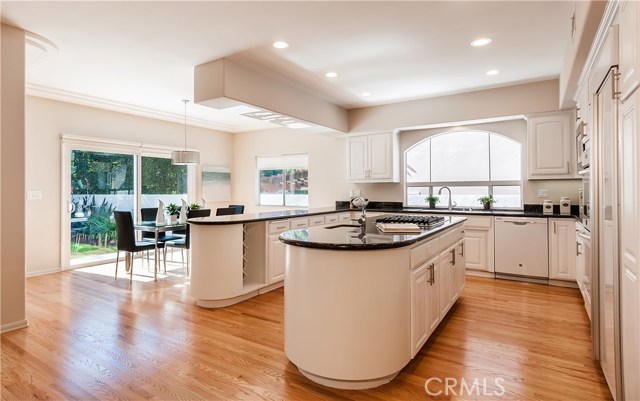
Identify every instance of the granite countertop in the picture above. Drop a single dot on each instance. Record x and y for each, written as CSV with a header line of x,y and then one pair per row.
x,y
350,237
380,207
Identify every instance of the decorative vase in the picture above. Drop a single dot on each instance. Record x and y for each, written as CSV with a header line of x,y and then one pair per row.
x,y
432,205
487,206
173,218
183,212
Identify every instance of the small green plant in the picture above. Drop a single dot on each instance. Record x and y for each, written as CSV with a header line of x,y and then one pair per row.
x,y
432,199
194,206
487,200
173,209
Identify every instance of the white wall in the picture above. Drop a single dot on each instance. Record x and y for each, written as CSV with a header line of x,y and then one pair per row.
x,y
515,129
327,164
47,119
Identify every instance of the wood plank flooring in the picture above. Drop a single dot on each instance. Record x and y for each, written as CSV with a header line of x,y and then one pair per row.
x,y
94,338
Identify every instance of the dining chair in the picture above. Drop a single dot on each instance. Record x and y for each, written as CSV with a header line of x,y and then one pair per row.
x,y
225,211
127,240
149,214
184,243
239,208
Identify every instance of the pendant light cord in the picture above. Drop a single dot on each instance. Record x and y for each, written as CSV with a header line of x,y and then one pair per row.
x,y
185,122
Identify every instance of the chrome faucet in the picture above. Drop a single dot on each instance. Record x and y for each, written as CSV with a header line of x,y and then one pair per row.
x,y
451,206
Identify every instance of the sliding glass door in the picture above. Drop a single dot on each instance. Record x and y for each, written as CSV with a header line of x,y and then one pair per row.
x,y
99,178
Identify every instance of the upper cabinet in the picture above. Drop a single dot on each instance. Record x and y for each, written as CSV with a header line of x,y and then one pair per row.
x,y
629,74
373,158
550,140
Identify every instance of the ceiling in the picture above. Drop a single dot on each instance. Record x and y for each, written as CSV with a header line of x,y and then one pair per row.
x,y
138,57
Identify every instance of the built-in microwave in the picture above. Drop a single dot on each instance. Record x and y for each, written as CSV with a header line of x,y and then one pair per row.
x,y
584,197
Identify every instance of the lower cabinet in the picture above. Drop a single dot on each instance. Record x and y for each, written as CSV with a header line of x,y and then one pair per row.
x,y
435,284
275,251
562,249
478,244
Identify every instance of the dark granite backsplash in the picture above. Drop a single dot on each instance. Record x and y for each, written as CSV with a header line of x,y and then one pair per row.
x,y
372,205
531,208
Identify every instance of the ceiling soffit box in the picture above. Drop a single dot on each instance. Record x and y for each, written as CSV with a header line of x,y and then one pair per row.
x,y
227,84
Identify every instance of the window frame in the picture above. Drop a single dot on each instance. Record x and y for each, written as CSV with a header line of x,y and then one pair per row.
x,y
284,168
490,184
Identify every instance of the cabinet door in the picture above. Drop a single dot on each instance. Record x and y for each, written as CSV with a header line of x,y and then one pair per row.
x,y
276,259
550,149
444,285
433,294
562,259
630,245
454,279
461,266
380,157
477,246
357,158
419,314
628,42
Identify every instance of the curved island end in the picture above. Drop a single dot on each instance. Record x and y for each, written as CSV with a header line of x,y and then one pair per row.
x,y
359,304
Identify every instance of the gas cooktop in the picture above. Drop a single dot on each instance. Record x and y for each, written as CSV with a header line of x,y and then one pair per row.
x,y
421,221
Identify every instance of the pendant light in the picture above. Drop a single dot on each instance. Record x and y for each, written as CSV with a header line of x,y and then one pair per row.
x,y
185,156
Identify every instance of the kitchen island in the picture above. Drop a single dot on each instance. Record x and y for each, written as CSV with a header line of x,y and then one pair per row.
x,y
360,304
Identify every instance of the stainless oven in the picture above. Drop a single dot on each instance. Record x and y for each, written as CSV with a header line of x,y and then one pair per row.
x,y
584,197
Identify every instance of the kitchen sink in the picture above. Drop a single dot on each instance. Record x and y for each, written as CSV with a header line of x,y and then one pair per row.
x,y
343,225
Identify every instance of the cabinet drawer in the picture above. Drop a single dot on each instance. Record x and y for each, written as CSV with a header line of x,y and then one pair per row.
x,y
277,227
331,218
346,217
424,251
450,237
299,223
478,222
316,221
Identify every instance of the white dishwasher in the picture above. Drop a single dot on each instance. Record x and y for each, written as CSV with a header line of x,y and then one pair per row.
x,y
522,247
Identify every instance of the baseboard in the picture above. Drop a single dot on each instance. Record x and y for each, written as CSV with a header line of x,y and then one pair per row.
x,y
42,272
480,273
20,324
562,283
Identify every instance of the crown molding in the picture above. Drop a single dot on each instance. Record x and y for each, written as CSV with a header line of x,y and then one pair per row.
x,y
127,108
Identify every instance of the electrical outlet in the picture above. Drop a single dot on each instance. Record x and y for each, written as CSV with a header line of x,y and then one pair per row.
x,y
34,195
543,193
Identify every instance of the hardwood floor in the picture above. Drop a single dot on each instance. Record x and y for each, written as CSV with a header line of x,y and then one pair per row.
x,y
91,337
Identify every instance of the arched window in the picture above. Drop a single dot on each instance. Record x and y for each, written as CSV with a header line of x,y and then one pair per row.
x,y
471,163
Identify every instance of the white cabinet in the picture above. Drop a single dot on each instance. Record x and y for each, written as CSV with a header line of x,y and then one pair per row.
x,y
425,310
628,41
478,244
331,218
460,266
550,142
444,285
373,158
584,267
300,222
345,217
316,221
562,243
629,246
275,251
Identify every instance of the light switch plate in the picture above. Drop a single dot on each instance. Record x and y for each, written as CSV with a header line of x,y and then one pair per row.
x,y
543,193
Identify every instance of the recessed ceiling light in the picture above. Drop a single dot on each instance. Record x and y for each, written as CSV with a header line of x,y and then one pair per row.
x,y
493,72
481,42
365,94
280,44
331,74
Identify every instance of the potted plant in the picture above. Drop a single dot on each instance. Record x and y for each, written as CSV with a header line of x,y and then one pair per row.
x,y
173,211
487,201
432,201
194,206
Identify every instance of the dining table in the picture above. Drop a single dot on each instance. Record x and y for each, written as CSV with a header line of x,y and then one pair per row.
x,y
156,229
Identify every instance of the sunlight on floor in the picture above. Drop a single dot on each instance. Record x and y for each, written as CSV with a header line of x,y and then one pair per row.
x,y
142,272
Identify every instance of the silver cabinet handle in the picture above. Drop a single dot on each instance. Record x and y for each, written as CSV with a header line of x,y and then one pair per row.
x,y
453,256
432,278
554,227
578,253
462,249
